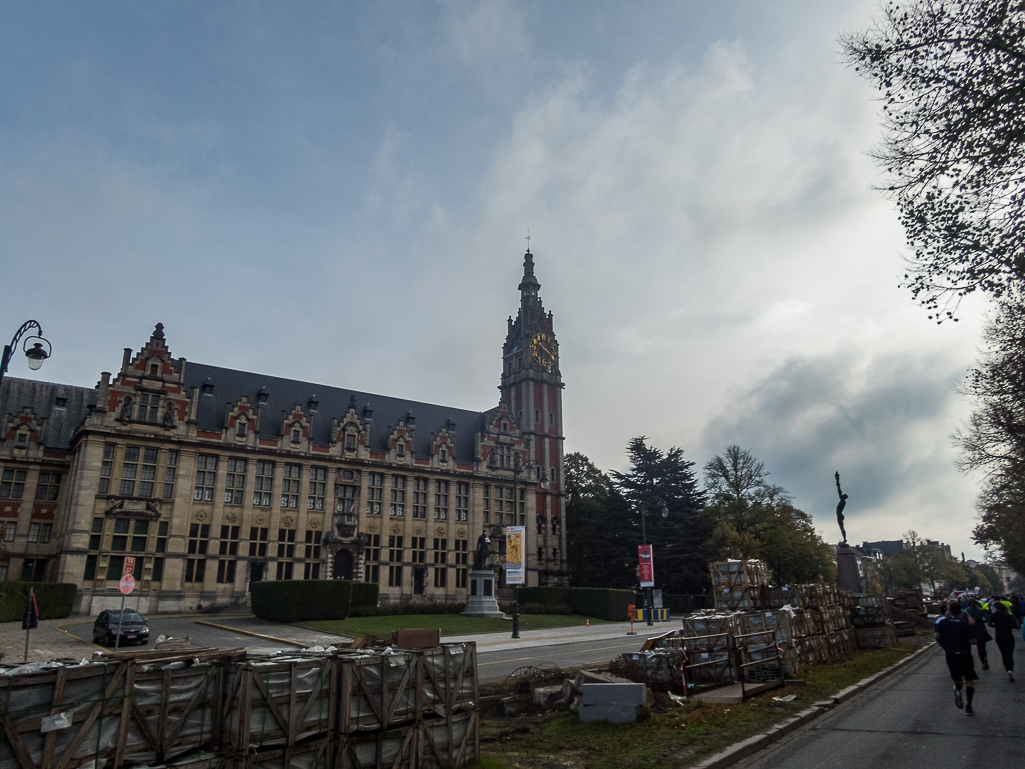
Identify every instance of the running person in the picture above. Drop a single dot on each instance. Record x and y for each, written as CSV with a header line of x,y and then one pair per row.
x,y
1004,625
976,611
953,634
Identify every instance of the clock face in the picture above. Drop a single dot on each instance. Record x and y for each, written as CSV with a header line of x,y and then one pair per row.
x,y
544,348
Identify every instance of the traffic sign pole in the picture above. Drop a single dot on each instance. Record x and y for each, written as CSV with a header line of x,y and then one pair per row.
x,y
126,586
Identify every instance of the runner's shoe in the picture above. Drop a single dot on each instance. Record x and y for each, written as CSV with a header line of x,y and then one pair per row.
x,y
1010,676
969,710
957,699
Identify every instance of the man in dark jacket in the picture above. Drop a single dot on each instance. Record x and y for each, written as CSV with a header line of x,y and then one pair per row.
x,y
953,634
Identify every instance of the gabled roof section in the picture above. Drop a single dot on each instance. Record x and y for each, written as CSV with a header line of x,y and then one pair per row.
x,y
219,387
45,399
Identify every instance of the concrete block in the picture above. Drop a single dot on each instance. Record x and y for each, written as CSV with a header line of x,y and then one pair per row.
x,y
615,694
614,714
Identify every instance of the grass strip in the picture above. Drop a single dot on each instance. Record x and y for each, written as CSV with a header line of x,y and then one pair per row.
x,y
669,735
450,624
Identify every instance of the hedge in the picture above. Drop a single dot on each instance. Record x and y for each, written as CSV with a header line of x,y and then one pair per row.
x,y
302,599
364,595
598,602
55,600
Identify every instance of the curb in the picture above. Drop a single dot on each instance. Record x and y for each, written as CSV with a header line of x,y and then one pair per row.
x,y
250,632
741,750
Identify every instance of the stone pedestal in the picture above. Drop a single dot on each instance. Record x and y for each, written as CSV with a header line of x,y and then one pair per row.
x,y
481,602
847,575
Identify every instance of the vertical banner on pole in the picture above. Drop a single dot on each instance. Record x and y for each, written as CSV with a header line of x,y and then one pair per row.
x,y
646,566
514,555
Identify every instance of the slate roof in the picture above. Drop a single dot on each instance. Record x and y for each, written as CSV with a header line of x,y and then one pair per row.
x,y
229,385
16,394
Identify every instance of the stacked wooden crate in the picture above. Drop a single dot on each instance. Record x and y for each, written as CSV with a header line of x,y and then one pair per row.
x,y
872,625
736,585
411,709
706,639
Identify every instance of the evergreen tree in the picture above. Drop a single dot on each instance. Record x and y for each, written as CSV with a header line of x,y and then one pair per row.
x,y
597,535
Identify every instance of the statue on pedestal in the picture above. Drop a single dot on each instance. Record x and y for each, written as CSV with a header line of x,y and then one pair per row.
x,y
480,555
840,507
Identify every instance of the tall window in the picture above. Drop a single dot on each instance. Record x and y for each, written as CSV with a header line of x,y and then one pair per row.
x,y
40,532
350,441
129,471
139,533
290,486
120,539
398,495
419,545
395,552
419,497
258,542
235,481
440,576
461,552
286,543
106,468
441,500
285,570
198,544
311,570
10,528
206,474
148,408
440,550
375,493
395,575
49,486
372,569
169,472
462,501
148,472
228,546
264,483
487,504
346,494
510,507
318,480
12,484
161,537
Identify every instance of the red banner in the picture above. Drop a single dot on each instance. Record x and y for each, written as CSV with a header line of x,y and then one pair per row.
x,y
646,566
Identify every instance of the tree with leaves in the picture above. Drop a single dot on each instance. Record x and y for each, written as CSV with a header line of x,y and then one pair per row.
x,y
663,487
753,518
952,78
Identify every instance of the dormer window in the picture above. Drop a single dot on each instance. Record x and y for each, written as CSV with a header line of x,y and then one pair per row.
x,y
443,454
60,403
297,434
350,441
240,428
312,404
208,387
505,427
154,369
262,397
410,420
21,441
368,413
400,449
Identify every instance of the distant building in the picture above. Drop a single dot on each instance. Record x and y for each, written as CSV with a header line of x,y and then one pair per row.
x,y
213,478
887,547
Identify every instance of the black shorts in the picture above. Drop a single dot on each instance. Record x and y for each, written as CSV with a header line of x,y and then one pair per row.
x,y
961,667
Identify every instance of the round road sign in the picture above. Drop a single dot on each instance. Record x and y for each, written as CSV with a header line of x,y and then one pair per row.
x,y
127,584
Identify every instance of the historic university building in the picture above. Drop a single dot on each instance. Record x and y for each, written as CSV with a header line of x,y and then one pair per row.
x,y
213,478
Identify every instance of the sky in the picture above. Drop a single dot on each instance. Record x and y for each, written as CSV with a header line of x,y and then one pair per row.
x,y
340,192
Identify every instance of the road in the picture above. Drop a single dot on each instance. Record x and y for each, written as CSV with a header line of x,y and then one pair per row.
x,y
498,654
909,720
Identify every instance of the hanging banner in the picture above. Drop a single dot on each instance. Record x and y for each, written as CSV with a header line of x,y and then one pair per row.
x,y
646,568
514,554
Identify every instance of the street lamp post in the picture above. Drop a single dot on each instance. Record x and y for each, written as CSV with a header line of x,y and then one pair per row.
x,y
518,470
648,602
35,354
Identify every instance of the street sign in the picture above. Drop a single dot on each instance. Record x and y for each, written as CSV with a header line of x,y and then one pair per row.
x,y
129,566
646,567
127,584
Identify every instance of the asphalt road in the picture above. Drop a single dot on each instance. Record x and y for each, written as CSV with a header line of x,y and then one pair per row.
x,y
909,720
497,665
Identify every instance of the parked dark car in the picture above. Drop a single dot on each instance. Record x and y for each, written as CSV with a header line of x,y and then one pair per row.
x,y
132,625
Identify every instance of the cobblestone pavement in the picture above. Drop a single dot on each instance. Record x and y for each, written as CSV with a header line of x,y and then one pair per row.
x,y
46,642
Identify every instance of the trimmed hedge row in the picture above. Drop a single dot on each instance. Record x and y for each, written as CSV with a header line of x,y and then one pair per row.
x,y
364,595
289,600
598,602
55,600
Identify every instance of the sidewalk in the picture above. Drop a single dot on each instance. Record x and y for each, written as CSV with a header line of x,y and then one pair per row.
x,y
46,642
493,642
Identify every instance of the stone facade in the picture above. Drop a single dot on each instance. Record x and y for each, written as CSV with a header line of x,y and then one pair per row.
x,y
212,478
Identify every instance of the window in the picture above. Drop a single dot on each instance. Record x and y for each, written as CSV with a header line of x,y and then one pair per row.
x,y
372,570
395,548
147,408
537,416
106,468
419,497
462,501
372,573
505,457
90,568
10,528
229,542
258,542
346,494
21,442
199,538
313,539
96,535
440,576
540,553
226,572
462,578
286,544
206,473
510,506
33,532
115,567
161,538
12,484
264,484
441,500
375,493
400,449
297,435
350,441
551,418
290,486
169,471
60,403
555,526
240,428
440,550
195,569
318,478
120,539
419,545
147,472
158,570
235,481
540,524
139,532
555,554
394,576
398,495
460,552
311,570
49,486
33,570
154,369
553,476
443,454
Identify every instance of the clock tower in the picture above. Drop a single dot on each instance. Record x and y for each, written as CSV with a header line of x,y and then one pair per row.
x,y
532,390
